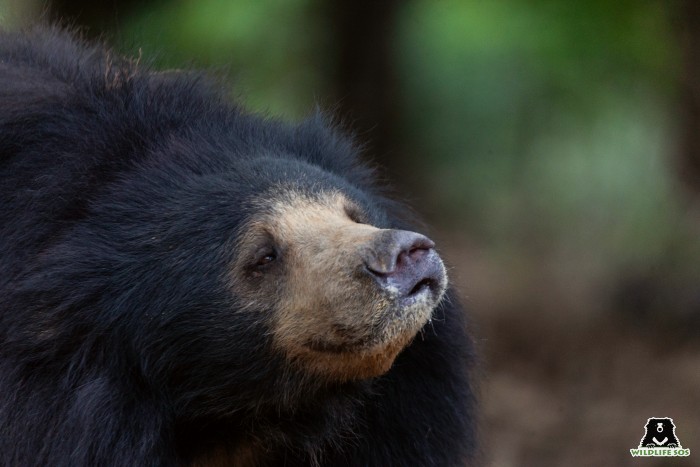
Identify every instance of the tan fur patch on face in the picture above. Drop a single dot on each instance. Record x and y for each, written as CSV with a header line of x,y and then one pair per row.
x,y
330,316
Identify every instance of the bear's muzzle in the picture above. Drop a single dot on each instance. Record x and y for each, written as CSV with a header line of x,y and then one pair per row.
x,y
405,265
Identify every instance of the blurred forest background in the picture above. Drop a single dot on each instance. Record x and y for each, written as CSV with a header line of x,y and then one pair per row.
x,y
554,146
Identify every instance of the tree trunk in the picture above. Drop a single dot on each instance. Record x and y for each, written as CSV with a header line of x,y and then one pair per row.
x,y
362,72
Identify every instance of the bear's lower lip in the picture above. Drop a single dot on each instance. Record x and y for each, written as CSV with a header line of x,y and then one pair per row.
x,y
424,290
426,294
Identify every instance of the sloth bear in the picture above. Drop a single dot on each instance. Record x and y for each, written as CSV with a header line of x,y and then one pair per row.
x,y
184,283
660,433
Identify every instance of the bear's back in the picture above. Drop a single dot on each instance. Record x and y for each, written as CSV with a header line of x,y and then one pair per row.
x,y
73,119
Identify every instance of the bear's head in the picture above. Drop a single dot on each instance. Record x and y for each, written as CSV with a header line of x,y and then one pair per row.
x,y
229,281
341,292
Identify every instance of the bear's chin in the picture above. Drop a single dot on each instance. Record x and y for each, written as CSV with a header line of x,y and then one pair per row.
x,y
369,357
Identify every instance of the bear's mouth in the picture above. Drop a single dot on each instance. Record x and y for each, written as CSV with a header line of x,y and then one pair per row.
x,y
427,288
423,285
399,322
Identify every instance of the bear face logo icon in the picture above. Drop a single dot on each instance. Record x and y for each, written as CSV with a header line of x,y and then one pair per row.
x,y
660,433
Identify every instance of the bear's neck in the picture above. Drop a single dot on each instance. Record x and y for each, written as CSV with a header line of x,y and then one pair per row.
x,y
261,436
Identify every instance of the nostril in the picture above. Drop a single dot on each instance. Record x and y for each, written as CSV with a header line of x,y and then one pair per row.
x,y
422,243
415,251
418,251
400,258
393,251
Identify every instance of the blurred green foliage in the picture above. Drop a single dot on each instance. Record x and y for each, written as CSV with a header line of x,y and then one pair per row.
x,y
548,123
272,49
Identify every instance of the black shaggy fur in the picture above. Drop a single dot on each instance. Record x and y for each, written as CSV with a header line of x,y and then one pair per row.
x,y
122,192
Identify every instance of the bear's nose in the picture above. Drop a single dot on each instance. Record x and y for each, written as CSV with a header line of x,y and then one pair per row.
x,y
404,262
